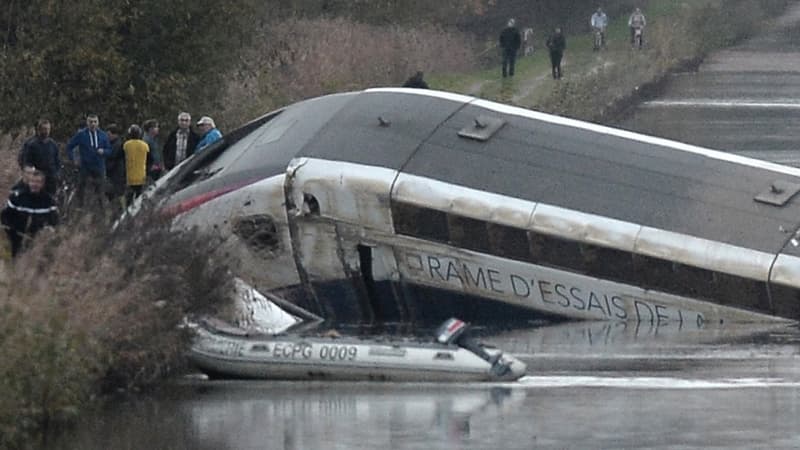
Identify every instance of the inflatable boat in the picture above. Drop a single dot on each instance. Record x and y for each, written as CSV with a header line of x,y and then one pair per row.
x,y
452,356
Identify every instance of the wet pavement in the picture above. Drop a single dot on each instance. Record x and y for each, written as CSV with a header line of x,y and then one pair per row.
x,y
743,100
589,385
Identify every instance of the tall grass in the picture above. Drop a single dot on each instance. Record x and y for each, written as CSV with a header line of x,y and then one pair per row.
x,y
10,144
303,58
89,310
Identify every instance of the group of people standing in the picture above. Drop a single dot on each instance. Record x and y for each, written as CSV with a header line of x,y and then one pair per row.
x,y
112,165
511,40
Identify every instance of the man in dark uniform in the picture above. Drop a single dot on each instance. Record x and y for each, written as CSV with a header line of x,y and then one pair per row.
x,y
28,210
510,41
41,152
556,43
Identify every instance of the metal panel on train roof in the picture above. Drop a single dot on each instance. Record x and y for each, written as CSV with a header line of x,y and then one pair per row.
x,y
567,146
380,128
618,178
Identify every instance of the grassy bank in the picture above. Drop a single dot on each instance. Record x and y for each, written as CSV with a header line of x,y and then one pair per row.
x,y
597,86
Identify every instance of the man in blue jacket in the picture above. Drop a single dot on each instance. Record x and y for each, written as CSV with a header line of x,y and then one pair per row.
x,y
93,148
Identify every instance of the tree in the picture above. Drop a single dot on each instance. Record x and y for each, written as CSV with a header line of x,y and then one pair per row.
x,y
124,60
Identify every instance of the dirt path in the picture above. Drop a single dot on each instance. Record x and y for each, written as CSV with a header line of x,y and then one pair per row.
x,y
528,84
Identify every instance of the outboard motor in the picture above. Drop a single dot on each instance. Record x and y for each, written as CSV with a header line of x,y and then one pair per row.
x,y
453,331
450,330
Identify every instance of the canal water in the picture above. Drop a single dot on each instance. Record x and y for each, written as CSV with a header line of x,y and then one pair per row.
x,y
589,385
742,100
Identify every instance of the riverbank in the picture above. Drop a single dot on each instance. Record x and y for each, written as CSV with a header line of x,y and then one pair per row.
x,y
90,310
600,86
74,301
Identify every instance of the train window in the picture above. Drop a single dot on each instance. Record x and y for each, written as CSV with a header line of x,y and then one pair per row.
x,y
785,301
693,281
420,222
311,203
508,242
610,263
653,273
468,233
602,262
743,292
553,251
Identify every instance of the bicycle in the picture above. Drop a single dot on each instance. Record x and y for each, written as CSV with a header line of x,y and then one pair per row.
x,y
65,192
638,38
599,41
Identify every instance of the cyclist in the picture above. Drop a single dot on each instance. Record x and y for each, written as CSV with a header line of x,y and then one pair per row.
x,y
637,22
599,22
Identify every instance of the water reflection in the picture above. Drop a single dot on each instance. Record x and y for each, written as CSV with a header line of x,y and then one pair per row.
x,y
294,416
590,385
342,416
627,337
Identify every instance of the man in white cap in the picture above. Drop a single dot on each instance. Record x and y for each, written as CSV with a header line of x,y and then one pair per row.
x,y
209,132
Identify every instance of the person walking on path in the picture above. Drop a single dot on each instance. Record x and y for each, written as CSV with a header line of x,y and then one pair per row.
x,y
637,22
599,22
209,131
556,43
136,152
510,42
181,142
93,148
41,152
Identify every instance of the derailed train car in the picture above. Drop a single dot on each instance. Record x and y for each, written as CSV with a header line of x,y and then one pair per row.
x,y
407,205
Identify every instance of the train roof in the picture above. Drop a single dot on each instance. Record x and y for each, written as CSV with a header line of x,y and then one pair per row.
x,y
571,164
535,157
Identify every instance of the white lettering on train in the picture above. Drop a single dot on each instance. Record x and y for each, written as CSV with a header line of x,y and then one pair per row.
x,y
553,294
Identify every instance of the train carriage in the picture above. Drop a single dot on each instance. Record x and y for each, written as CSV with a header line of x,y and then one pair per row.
x,y
406,205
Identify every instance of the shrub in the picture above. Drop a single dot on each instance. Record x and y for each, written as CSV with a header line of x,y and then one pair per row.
x,y
88,310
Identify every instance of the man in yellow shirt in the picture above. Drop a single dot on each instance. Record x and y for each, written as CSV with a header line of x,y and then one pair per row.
x,y
136,151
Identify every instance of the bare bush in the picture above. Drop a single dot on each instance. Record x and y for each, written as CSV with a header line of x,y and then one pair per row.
x,y
10,144
87,309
